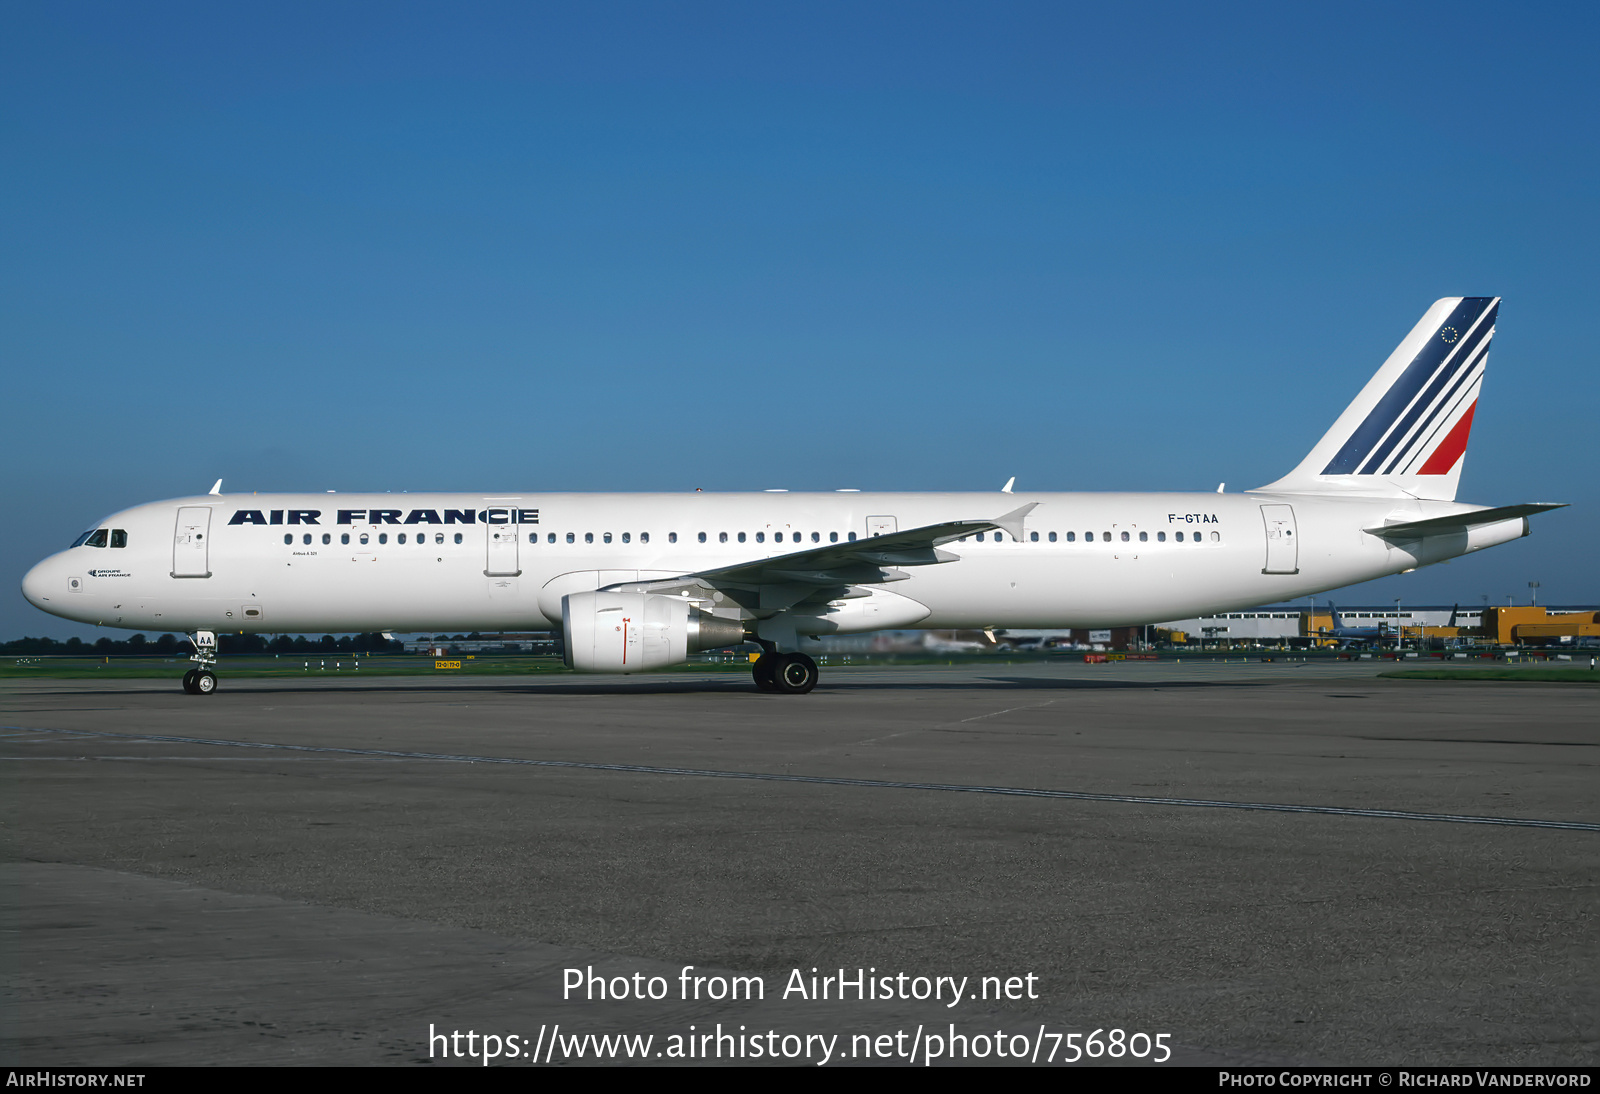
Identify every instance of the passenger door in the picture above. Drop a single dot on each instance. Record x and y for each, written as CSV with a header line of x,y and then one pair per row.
x,y
1283,553
191,547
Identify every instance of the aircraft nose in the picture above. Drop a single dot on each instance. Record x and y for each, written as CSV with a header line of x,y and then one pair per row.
x,y
37,585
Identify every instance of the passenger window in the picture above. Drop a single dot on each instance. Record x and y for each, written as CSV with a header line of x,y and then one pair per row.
x,y
119,538
1053,536
288,537
1144,537
1105,537
1178,536
833,537
606,537
761,537
741,537
327,538
1088,537
627,538
588,537
533,537
702,537
1125,537
401,538
1033,537
97,538
980,537
722,537
1072,537
572,537
438,537
458,537
551,538
383,537
998,537
816,537
306,539
1216,537
644,537
344,537
1161,537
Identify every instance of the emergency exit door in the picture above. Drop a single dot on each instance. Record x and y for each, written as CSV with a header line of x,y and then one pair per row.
x,y
191,546
1283,553
502,558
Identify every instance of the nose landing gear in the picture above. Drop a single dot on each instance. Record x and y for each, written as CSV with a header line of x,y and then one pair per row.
x,y
202,681
199,682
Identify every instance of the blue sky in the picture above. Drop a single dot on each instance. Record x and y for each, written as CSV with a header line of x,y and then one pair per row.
x,y
734,246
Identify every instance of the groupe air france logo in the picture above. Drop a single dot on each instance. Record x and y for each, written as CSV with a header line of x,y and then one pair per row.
x,y
1449,335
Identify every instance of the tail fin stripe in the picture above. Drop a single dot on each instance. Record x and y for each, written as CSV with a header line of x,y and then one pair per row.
x,y
1457,369
1434,353
1457,358
1439,411
1442,425
1445,456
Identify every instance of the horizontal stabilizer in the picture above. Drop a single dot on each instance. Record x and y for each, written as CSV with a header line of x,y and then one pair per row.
x,y
1460,522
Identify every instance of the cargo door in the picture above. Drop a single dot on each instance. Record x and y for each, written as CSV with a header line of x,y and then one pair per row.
x,y
502,557
1283,553
191,546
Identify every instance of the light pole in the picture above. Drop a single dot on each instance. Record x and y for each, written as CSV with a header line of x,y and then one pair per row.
x,y
1533,597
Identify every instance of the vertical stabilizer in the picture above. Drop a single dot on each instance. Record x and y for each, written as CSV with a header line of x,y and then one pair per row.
x,y
1405,435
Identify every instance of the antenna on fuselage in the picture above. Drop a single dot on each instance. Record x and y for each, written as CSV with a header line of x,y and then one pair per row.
x,y
1006,489
216,489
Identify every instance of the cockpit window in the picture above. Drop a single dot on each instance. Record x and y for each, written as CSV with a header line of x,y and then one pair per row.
x,y
119,537
81,540
97,538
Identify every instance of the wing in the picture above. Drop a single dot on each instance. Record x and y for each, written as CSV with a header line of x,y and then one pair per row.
x,y
826,573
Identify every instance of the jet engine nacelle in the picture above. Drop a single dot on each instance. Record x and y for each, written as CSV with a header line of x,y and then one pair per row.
x,y
636,632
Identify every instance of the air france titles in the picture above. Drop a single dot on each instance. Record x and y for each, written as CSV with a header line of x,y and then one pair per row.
x,y
388,516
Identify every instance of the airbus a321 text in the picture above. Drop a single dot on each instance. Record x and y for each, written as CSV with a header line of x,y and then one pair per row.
x,y
641,581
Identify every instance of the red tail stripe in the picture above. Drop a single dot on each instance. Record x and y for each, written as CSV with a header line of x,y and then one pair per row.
x,y
1449,451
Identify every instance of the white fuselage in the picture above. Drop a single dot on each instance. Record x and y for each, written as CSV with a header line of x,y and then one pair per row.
x,y
454,562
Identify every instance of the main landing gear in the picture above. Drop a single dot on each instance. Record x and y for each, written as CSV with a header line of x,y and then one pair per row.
x,y
785,673
202,681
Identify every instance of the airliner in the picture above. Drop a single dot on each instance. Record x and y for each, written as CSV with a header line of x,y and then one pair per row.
x,y
637,582
1376,635
1356,636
